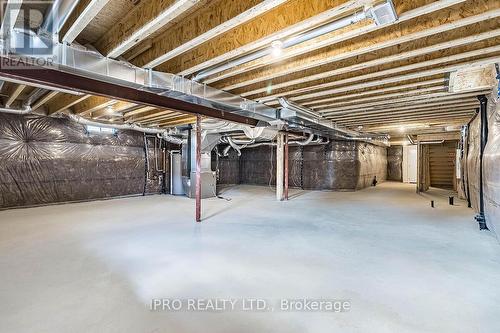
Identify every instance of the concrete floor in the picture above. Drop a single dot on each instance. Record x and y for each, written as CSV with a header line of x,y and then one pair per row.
x,y
404,267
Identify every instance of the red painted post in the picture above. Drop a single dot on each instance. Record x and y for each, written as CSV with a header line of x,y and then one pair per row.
x,y
198,168
286,166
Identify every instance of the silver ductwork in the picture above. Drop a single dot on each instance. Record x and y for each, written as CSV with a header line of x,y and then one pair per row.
x,y
300,117
92,64
165,134
25,110
238,145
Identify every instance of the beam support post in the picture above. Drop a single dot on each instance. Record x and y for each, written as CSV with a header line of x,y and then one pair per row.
x,y
279,166
286,166
198,168
419,167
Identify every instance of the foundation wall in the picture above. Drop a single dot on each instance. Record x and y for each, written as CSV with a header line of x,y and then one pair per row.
x,y
48,160
340,165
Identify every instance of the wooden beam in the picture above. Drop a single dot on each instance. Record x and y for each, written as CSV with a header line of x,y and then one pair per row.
x,y
394,102
414,75
139,111
294,16
328,40
403,107
213,20
11,14
92,104
374,63
14,93
118,108
143,21
150,115
396,126
45,99
417,109
394,38
405,114
64,102
410,93
439,136
85,11
172,115
183,121
414,118
379,92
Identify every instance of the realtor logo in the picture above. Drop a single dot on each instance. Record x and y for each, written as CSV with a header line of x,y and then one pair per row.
x,y
21,24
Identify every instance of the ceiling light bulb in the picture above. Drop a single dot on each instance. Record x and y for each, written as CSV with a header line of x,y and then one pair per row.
x,y
277,48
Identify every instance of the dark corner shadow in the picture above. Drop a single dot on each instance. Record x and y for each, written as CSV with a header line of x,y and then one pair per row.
x,y
296,195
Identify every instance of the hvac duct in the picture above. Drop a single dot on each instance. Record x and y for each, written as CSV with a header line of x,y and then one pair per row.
x,y
164,133
308,141
25,110
92,64
432,142
297,114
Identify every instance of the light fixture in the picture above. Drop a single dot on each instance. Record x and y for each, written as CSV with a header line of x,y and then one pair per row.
x,y
277,48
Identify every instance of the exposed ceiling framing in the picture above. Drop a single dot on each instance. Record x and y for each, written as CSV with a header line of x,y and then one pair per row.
x,y
361,75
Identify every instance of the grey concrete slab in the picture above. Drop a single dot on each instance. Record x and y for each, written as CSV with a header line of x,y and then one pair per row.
x,y
403,266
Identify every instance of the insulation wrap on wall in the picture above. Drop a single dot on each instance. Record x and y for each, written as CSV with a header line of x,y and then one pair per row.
x,y
228,167
491,165
473,161
395,163
47,160
340,165
371,164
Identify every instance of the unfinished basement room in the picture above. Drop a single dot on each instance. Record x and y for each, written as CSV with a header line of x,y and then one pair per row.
x,y
249,166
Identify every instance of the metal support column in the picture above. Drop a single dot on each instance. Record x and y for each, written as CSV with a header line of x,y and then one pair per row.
x,y
419,167
198,168
286,166
480,218
279,166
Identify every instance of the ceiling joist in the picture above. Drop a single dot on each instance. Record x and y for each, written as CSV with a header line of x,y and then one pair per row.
x,y
85,11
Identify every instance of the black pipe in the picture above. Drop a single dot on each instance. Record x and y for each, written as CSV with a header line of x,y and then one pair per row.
x,y
480,218
469,202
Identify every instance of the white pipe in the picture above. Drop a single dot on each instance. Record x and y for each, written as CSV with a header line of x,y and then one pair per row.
x,y
164,133
234,145
305,143
308,35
